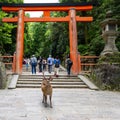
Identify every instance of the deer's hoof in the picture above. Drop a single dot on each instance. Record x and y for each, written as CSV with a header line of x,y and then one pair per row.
x,y
45,104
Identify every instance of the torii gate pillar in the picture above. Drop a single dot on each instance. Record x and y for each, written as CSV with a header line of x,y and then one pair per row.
x,y
73,42
20,42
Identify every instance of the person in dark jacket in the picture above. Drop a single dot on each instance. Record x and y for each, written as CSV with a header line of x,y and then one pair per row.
x,y
40,64
56,66
69,64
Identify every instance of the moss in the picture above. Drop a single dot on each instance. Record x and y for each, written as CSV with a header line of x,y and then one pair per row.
x,y
110,58
106,77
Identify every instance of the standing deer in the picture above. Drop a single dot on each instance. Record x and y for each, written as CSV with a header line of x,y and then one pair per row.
x,y
46,88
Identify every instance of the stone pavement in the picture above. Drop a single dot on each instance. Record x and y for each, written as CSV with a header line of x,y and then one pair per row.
x,y
68,104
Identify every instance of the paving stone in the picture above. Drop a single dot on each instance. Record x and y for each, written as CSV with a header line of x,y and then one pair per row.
x,y
68,104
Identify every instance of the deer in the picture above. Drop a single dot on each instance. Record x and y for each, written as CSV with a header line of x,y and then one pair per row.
x,y
46,88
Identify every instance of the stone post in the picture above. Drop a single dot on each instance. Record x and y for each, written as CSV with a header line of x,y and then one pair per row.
x,y
3,77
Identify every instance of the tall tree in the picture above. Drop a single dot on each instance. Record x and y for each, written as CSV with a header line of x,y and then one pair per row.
x,y
7,31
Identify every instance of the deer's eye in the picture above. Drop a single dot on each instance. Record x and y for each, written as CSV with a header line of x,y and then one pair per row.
x,y
43,83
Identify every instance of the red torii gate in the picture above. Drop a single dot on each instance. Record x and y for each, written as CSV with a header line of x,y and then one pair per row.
x,y
71,8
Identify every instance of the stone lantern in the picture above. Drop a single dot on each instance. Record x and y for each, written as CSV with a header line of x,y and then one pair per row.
x,y
109,34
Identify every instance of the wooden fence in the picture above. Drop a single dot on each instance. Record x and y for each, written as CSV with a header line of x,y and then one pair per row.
x,y
88,63
9,62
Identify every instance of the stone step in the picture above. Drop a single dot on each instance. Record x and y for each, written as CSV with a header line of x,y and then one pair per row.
x,y
41,77
59,83
54,86
63,81
55,80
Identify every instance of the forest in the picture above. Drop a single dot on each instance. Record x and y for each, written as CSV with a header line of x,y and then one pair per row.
x,y
44,38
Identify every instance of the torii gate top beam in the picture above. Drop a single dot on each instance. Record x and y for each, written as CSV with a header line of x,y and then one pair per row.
x,y
83,6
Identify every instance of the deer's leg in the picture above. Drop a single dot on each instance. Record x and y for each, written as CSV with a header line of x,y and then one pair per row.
x,y
45,100
50,97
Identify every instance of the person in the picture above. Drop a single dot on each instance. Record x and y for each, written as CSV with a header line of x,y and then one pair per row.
x,y
40,64
27,63
57,66
33,62
69,64
24,61
44,62
50,63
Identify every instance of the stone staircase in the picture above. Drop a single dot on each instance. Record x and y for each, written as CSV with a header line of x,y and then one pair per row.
x,y
63,81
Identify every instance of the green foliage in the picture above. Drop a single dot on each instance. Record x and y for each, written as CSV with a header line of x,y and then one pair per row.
x,y
96,45
118,42
11,1
53,38
7,31
83,49
115,6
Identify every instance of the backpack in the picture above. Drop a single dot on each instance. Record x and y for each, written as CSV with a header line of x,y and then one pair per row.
x,y
57,64
33,61
48,61
70,63
40,61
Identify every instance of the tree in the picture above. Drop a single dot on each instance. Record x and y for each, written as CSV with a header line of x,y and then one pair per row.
x,y
7,31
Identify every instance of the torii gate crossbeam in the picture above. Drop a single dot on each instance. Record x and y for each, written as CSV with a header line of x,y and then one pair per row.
x,y
71,18
49,19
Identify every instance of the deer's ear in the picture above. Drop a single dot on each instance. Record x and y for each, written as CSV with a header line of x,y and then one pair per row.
x,y
44,79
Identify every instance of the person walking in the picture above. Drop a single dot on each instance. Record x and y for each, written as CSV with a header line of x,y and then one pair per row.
x,y
50,63
57,66
27,63
69,64
40,63
33,62
44,62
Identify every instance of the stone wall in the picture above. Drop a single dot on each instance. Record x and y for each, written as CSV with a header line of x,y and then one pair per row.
x,y
107,75
3,76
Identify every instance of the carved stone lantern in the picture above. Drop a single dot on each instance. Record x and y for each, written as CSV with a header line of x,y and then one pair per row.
x,y
109,34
